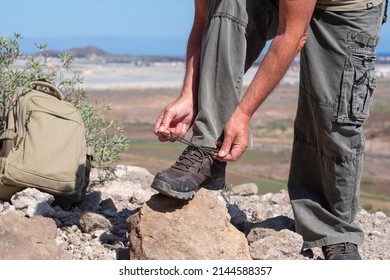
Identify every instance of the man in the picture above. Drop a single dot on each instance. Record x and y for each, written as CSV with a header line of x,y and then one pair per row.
x,y
337,40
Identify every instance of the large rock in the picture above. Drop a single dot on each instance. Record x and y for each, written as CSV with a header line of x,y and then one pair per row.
x,y
199,229
24,238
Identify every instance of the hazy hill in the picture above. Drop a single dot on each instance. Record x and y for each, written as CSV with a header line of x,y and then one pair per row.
x,y
91,52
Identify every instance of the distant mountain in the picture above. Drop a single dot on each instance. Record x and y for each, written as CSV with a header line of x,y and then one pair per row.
x,y
144,45
85,52
88,52
92,52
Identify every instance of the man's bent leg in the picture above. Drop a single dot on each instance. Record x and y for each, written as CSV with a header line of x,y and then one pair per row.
x,y
235,35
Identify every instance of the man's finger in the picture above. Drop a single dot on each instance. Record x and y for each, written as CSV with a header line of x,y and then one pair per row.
x,y
225,147
165,121
158,123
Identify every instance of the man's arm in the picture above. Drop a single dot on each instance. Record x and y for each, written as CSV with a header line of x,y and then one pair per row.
x,y
191,79
294,18
178,116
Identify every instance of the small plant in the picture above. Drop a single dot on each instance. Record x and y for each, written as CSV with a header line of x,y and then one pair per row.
x,y
367,207
226,194
18,70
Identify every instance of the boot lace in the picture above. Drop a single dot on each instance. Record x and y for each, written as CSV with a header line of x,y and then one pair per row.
x,y
193,155
339,249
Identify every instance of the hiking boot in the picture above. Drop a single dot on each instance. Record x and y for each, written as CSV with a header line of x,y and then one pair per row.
x,y
194,168
217,179
341,251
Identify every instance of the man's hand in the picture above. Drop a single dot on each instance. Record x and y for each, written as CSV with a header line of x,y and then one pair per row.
x,y
177,117
236,137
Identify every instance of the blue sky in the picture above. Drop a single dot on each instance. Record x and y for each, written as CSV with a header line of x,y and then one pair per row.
x,y
149,27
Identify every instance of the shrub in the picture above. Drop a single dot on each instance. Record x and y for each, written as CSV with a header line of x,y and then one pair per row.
x,y
19,70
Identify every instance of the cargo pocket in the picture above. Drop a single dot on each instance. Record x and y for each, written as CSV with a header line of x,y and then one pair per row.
x,y
357,87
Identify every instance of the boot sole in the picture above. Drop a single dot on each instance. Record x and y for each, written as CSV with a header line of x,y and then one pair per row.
x,y
164,188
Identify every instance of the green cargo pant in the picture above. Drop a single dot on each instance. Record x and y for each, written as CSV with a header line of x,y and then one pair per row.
x,y
336,87
232,41
337,83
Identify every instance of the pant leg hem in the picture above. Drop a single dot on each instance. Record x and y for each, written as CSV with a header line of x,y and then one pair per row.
x,y
352,238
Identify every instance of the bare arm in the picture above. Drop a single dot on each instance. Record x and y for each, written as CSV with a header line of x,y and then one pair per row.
x,y
294,18
178,116
191,79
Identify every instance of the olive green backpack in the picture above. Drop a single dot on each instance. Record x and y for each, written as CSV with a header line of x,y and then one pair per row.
x,y
43,146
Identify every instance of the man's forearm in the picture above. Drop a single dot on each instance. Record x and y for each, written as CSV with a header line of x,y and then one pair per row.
x,y
294,17
272,69
191,78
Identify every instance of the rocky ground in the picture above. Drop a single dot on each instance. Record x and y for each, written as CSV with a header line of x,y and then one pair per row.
x,y
98,229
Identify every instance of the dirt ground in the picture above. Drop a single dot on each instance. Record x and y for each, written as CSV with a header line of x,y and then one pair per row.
x,y
137,108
